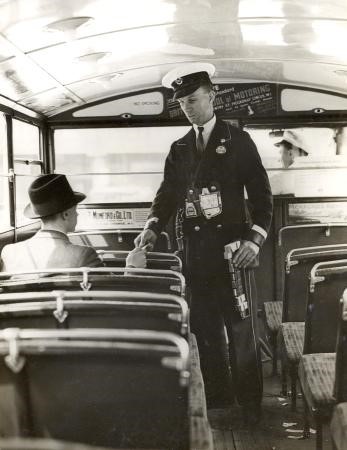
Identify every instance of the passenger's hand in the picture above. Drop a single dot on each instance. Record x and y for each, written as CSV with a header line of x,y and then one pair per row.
x,y
147,238
245,254
136,258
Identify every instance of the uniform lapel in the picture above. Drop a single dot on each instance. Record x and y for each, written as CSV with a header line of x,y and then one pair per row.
x,y
220,136
188,146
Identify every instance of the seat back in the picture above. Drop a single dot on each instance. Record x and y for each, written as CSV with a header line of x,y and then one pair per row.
x,y
116,388
327,282
43,444
117,239
298,264
103,309
298,236
155,260
340,388
98,278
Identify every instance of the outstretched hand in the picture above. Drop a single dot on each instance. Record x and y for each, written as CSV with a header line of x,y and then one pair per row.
x,y
146,239
137,258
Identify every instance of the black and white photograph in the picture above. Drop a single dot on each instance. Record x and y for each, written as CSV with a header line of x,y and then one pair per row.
x,y
173,225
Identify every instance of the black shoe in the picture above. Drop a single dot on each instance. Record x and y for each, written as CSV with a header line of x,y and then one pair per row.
x,y
251,414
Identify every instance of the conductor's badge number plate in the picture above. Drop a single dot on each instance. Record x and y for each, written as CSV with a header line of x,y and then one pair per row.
x,y
210,203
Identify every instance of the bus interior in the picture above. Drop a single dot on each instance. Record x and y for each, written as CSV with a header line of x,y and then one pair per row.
x,y
81,94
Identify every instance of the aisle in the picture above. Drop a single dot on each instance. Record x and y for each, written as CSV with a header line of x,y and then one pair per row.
x,y
279,429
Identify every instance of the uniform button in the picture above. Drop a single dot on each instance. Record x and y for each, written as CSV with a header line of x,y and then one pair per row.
x,y
197,228
219,226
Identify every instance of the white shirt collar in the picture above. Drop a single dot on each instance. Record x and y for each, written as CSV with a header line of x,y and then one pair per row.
x,y
208,127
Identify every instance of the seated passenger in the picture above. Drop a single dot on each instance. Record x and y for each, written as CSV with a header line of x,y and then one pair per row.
x,y
54,202
291,148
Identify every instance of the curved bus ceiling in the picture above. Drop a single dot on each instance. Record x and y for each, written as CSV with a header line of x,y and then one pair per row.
x,y
56,55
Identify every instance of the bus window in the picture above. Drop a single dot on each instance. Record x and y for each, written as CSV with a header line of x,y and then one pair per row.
x,y
117,165
304,161
27,163
4,194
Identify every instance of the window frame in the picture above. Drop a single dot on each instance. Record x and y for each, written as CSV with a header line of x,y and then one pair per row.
x,y
11,115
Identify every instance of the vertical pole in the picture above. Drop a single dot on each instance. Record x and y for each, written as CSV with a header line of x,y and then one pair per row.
x,y
11,178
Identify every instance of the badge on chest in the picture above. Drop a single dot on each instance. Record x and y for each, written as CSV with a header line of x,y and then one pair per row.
x,y
206,201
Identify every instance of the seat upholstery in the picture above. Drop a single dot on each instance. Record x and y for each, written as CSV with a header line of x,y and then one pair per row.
x,y
196,395
317,375
293,335
338,426
200,434
273,315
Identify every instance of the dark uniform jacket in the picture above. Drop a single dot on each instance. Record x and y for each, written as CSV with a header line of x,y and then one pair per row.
x,y
229,160
45,250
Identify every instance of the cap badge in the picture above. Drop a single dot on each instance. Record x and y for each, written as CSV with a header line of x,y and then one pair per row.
x,y
179,81
220,150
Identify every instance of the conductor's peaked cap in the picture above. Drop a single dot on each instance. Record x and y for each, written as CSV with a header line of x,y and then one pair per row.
x,y
50,194
187,78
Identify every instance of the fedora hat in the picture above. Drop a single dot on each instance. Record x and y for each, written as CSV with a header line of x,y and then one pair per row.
x,y
187,78
50,194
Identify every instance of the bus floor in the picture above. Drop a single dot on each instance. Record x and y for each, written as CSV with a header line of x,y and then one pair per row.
x,y
279,429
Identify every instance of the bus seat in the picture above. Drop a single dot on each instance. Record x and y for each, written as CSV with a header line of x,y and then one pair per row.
x,y
200,434
298,265
111,388
197,397
273,319
338,426
290,237
44,444
316,370
155,260
117,239
316,374
194,351
95,309
98,278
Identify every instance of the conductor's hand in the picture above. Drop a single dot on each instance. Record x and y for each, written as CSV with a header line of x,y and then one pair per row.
x,y
136,258
147,238
245,254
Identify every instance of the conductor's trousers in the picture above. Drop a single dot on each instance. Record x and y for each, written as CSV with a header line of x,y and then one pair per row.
x,y
228,345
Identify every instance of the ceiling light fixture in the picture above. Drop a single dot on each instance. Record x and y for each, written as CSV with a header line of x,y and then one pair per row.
x,y
66,25
92,57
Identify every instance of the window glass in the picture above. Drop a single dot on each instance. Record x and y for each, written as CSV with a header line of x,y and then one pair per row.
x,y
4,199
115,164
22,197
26,140
3,144
304,161
26,146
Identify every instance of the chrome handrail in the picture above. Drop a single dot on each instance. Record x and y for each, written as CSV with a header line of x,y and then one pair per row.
x,y
20,276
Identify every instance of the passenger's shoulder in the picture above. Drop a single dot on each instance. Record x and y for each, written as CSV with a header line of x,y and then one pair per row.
x,y
10,248
87,256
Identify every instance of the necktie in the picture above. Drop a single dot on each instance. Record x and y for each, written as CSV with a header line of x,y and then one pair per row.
x,y
200,141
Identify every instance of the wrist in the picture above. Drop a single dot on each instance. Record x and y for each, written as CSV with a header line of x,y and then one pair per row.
x,y
255,237
153,225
